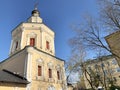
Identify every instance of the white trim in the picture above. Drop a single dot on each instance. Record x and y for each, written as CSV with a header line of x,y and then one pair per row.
x,y
11,47
29,67
31,35
25,66
27,41
40,63
40,38
28,87
64,79
22,40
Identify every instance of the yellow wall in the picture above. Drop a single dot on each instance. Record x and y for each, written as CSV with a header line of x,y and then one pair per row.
x,y
39,58
12,86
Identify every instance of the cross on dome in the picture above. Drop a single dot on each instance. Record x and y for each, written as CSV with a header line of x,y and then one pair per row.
x,y
35,12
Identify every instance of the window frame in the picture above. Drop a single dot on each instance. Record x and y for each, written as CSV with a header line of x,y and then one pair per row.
x,y
16,44
39,70
32,42
50,73
58,75
48,45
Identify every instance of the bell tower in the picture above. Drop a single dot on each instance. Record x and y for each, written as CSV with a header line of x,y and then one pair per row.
x,y
33,33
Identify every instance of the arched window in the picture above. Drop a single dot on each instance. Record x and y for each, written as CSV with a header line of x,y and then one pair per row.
x,y
58,75
16,45
47,45
50,73
32,41
39,70
58,72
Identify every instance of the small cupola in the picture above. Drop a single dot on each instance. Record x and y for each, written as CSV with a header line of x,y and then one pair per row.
x,y
35,16
35,12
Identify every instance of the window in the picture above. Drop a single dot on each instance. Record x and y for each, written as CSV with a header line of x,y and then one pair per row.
x,y
102,65
114,62
108,79
108,63
89,68
118,69
32,41
39,71
105,72
96,66
114,78
47,45
58,75
16,45
50,73
111,71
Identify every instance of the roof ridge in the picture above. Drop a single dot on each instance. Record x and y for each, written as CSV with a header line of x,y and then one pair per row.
x,y
48,53
34,48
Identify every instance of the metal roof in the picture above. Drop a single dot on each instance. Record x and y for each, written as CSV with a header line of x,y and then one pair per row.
x,y
10,77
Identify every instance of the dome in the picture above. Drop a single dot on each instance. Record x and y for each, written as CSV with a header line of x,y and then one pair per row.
x,y
35,12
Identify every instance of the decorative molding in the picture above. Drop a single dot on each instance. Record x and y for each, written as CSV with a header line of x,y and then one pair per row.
x,y
58,67
29,67
32,35
48,31
30,50
51,80
41,78
40,61
59,81
10,52
32,28
21,42
28,87
50,65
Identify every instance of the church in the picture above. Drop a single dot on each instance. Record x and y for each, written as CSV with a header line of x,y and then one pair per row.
x,y
32,64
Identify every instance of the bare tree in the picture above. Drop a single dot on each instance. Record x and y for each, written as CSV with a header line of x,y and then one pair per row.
x,y
90,35
110,14
89,76
98,72
73,64
91,32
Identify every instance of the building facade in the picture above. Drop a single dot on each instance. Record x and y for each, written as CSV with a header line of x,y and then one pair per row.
x,y
113,41
102,68
32,64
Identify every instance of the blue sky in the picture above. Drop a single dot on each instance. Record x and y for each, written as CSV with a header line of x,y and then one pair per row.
x,y
59,15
